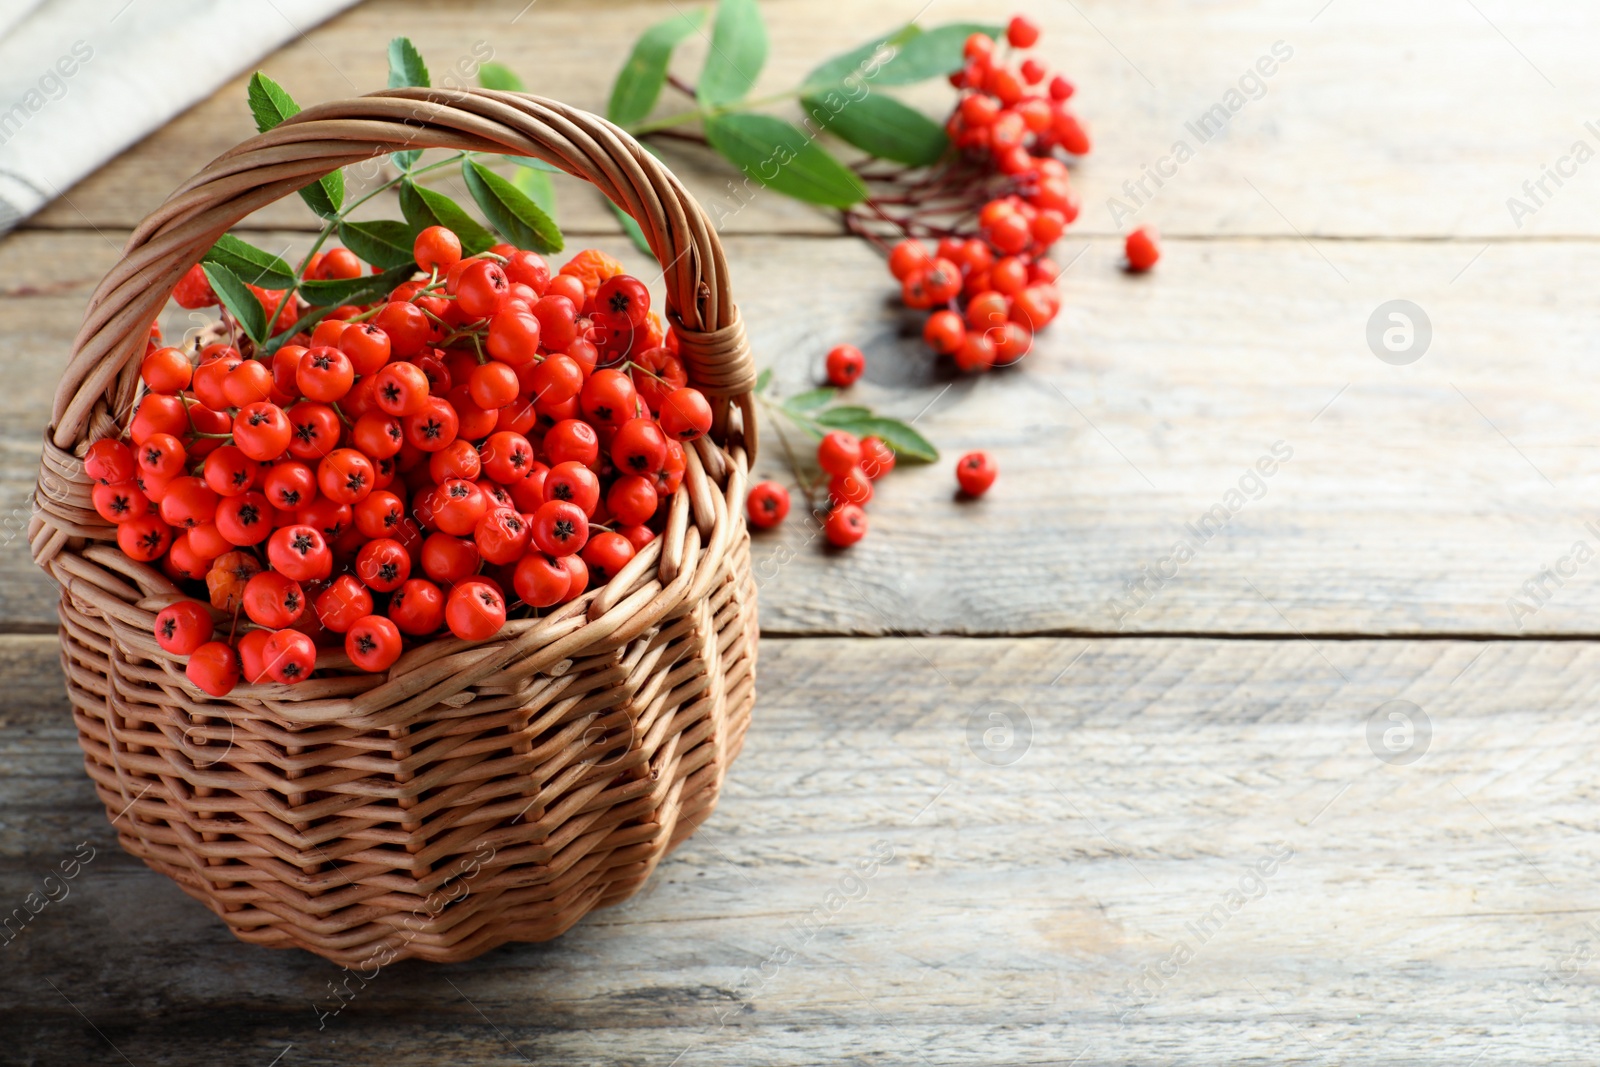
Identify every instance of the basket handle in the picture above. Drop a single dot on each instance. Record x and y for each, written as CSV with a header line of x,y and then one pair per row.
x,y
101,379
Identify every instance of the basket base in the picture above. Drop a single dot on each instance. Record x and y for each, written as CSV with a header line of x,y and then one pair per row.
x,y
483,821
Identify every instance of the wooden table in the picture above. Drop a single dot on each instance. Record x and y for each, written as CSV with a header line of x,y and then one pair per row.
x,y
995,807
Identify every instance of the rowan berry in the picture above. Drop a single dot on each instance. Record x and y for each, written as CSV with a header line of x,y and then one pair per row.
x,y
366,346
851,487
514,336
560,527
121,502
572,440
188,501
575,484
1069,132
539,581
383,564
944,332
314,431
976,472
417,607
555,320
640,446
243,520
373,643
458,505
845,362
249,382
1143,249
507,457
335,265
289,656
838,452
502,535
407,326
632,500
877,458
158,413
608,398
325,374
300,552
345,476
846,525
606,554
449,559
768,504
434,427
976,352
273,600
493,385
194,290
162,455
210,376
183,627
402,389
166,370
227,578
436,249
479,287
475,610
343,603
213,668
528,268
625,296
109,462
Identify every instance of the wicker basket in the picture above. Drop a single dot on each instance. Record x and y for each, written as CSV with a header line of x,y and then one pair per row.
x,y
479,792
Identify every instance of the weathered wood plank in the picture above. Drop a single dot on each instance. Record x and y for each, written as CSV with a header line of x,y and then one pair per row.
x,y
1388,119
1025,906
1415,501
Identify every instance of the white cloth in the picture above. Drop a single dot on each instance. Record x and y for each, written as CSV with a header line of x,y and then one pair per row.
x,y
81,80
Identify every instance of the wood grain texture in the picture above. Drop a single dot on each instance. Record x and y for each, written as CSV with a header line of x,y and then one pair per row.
x,y
1022,901
1418,499
1390,118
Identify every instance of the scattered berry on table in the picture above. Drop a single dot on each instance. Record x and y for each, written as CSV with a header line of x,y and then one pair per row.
x,y
976,472
1143,249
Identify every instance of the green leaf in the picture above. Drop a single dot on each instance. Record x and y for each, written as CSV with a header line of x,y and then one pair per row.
x,y
362,290
881,125
639,82
896,434
499,76
251,264
858,61
384,243
268,102
238,299
811,400
779,155
510,210
844,415
425,207
630,227
931,53
537,184
738,52
271,105
763,379
406,68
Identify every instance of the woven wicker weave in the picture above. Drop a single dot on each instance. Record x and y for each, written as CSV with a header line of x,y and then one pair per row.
x,y
479,792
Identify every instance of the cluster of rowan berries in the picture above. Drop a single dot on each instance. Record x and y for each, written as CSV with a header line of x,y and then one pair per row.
x,y
490,433
990,291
